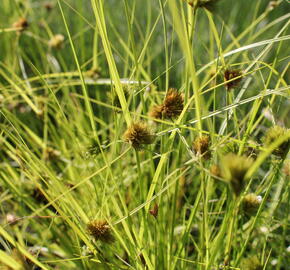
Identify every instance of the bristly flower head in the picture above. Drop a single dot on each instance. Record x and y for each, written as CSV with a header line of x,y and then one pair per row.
x,y
273,134
138,134
172,106
201,146
251,203
232,78
100,230
235,169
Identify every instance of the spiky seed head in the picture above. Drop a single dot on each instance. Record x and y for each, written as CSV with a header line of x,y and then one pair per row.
x,y
171,107
100,230
21,23
56,42
232,77
251,203
234,170
173,104
201,146
273,134
138,134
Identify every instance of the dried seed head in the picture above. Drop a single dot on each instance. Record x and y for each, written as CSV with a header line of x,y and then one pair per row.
x,y
172,106
201,146
154,211
100,230
22,24
273,134
251,203
251,263
234,171
230,76
56,42
138,134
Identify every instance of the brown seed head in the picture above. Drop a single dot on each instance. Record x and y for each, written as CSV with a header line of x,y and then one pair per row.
x,y
172,106
230,76
100,230
22,24
201,146
138,134
235,169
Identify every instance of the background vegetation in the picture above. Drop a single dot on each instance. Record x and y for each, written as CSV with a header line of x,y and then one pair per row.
x,y
75,75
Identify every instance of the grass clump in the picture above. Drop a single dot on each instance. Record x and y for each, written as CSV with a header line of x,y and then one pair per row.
x,y
70,152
